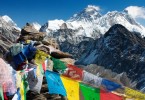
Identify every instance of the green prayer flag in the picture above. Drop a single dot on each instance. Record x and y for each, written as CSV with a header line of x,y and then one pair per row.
x,y
58,65
25,85
1,94
41,69
89,93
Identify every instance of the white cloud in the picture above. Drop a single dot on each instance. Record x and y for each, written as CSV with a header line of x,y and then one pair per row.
x,y
92,7
136,12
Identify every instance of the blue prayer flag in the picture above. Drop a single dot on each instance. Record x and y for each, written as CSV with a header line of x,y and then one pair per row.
x,y
109,85
55,84
19,58
29,51
17,96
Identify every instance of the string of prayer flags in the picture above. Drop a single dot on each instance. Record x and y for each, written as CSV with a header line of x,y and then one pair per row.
x,y
72,88
109,85
55,84
92,79
73,72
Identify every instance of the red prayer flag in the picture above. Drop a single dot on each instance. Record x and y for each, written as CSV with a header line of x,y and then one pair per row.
x,y
109,96
5,96
74,72
44,66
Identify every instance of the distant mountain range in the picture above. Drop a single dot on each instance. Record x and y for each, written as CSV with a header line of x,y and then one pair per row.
x,y
90,23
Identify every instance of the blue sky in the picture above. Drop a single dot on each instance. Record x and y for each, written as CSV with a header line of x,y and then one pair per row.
x,y
22,11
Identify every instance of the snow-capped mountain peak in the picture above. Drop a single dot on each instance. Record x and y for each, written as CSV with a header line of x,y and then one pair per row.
x,y
90,23
7,19
89,14
10,23
36,26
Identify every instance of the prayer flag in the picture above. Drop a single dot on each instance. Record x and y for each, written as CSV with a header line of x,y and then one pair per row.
x,y
72,88
1,94
134,94
55,84
109,85
92,79
58,65
73,72
109,96
89,93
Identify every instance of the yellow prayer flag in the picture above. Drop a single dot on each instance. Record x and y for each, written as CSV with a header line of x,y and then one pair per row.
x,y
22,91
40,56
72,88
38,70
18,79
135,95
28,41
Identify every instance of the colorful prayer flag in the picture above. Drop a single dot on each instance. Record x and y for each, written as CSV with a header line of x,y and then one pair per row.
x,y
92,79
73,72
19,59
109,96
36,84
22,93
72,88
17,96
58,65
134,94
44,66
89,93
55,84
1,94
109,85
29,51
40,56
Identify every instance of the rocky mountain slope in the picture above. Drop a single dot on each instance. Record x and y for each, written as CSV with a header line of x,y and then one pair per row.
x,y
119,50
9,32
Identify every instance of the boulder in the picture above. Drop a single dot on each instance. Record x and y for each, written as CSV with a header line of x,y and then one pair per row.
x,y
68,60
32,36
28,29
60,54
30,33
50,41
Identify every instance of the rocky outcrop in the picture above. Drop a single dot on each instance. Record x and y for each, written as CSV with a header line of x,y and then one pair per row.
x,y
63,26
30,33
